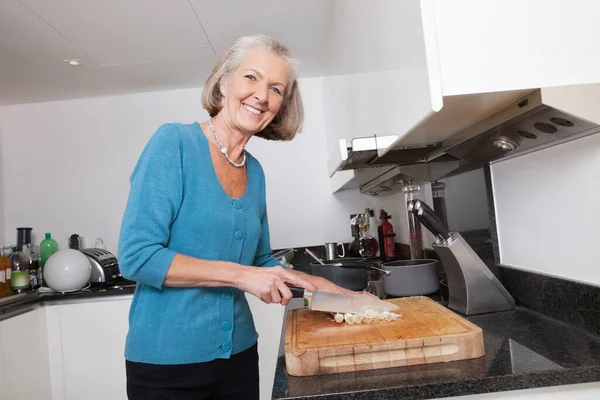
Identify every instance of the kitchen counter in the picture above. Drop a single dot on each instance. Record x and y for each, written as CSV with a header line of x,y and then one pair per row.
x,y
524,349
24,302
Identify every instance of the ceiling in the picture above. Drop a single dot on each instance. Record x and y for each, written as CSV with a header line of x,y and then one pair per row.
x,y
128,46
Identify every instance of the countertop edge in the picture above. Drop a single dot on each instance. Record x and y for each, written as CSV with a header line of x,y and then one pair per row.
x,y
467,387
33,300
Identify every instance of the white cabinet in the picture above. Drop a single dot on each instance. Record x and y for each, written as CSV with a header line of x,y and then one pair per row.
x,y
76,351
23,357
86,349
268,319
425,70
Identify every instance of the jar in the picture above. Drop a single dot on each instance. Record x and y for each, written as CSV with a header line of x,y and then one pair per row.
x,y
439,201
412,193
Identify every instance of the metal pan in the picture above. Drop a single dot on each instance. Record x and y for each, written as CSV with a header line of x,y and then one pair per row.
x,y
411,278
349,273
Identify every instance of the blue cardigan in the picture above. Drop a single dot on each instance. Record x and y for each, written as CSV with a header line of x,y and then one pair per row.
x,y
177,205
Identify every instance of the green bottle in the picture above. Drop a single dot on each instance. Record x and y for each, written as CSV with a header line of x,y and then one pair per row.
x,y
47,248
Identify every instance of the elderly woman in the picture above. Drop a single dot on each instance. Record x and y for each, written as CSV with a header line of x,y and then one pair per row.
x,y
195,234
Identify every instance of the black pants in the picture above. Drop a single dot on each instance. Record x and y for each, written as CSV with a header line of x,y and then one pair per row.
x,y
233,379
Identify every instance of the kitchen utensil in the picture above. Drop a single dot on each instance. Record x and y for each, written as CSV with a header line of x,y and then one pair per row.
x,y
430,220
345,303
411,278
331,250
285,256
313,255
411,195
67,270
385,271
23,237
473,288
105,267
349,273
426,333
75,242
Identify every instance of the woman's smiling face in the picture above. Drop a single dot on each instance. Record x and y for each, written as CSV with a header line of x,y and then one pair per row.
x,y
253,94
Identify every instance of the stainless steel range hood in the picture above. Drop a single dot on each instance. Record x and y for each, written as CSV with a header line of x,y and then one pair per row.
x,y
542,118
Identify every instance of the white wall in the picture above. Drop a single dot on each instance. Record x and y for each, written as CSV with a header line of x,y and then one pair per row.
x,y
71,172
547,209
466,201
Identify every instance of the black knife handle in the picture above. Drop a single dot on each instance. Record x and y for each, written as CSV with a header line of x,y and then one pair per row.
x,y
434,222
426,223
297,292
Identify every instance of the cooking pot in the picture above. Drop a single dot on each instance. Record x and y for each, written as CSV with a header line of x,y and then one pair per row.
x,y
411,278
349,273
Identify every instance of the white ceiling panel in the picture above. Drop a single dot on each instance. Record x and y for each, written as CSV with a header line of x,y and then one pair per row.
x,y
127,31
129,46
78,82
26,39
302,25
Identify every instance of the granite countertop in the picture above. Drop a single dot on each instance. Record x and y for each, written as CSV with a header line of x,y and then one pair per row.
x,y
24,302
524,349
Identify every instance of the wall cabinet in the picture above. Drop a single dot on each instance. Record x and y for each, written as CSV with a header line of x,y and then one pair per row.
x,y
443,66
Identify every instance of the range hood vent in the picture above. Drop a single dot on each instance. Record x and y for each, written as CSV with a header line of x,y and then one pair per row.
x,y
541,127
543,118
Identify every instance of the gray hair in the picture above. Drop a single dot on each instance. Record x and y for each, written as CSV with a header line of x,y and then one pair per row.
x,y
288,120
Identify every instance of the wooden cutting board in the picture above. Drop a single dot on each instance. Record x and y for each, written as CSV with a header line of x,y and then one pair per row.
x,y
427,333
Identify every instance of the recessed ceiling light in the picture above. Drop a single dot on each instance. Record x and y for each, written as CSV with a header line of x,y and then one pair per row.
x,y
74,62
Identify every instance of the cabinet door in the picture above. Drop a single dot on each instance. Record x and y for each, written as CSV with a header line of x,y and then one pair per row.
x,y
499,45
268,319
24,363
93,343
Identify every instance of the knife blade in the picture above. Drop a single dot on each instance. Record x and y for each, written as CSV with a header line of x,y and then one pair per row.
x,y
345,303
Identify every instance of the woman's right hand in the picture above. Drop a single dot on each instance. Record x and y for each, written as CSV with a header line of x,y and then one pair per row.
x,y
269,283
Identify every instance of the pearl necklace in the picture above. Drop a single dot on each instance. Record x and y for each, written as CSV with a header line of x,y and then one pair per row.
x,y
223,149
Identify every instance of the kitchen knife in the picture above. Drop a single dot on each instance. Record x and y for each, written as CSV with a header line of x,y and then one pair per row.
x,y
433,221
345,303
426,222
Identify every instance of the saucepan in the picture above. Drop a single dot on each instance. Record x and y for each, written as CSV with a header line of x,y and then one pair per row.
x,y
411,278
349,273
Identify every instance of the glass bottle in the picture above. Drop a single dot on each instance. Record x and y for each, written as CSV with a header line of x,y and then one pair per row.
x,y
47,248
19,271
34,268
6,265
3,261
412,193
367,244
372,227
353,248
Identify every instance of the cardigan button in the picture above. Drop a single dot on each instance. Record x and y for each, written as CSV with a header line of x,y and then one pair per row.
x,y
226,347
239,235
237,205
226,326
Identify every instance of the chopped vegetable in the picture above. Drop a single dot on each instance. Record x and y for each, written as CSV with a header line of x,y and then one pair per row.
x,y
366,317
